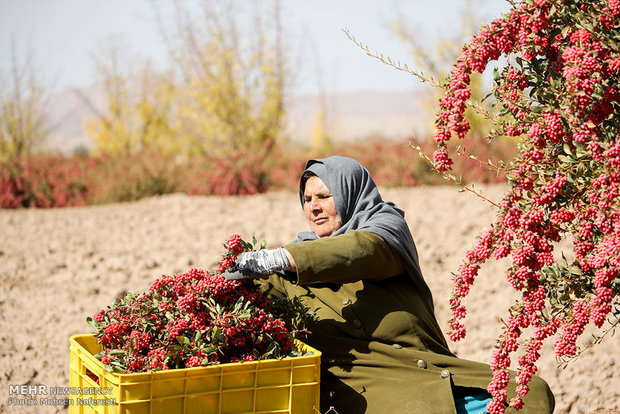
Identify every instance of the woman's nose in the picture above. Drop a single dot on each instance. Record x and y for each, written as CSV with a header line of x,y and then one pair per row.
x,y
315,205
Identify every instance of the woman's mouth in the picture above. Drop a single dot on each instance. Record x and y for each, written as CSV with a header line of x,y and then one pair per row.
x,y
320,220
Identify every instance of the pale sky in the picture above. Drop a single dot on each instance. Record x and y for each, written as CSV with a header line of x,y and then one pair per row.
x,y
64,34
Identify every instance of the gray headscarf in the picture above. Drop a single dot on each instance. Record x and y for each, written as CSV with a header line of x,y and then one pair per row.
x,y
361,207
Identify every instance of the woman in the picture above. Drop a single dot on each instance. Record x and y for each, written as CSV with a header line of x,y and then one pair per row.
x,y
383,350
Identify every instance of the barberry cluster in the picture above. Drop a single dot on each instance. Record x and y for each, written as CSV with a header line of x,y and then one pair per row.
x,y
559,94
193,319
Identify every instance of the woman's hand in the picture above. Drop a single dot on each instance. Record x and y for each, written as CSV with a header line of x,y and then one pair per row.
x,y
259,264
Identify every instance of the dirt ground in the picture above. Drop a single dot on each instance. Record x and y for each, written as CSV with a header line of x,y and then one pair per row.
x,y
59,266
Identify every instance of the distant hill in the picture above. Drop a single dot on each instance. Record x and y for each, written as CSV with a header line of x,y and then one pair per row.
x,y
359,115
351,116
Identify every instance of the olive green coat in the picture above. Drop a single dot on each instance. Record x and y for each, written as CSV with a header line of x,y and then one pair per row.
x,y
383,351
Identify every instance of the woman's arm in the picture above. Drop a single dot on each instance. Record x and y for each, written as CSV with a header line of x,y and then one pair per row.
x,y
291,261
355,255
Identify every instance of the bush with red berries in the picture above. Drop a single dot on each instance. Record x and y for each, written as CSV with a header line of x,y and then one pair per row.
x,y
197,318
559,95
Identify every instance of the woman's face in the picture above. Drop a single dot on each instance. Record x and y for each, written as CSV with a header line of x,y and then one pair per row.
x,y
320,208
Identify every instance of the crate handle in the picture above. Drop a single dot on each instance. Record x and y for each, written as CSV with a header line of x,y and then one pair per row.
x,y
90,374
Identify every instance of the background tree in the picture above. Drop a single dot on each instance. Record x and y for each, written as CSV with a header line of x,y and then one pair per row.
x,y
435,62
154,108
322,128
25,125
229,88
136,109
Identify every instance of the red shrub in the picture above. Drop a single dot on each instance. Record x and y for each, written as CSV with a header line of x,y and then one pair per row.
x,y
58,181
45,181
134,176
244,173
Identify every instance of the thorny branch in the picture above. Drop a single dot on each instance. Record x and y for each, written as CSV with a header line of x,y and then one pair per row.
x,y
388,61
453,178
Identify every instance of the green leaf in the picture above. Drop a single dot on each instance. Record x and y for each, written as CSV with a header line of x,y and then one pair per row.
x,y
93,323
150,328
503,111
566,159
519,61
495,74
587,25
581,153
272,349
566,31
183,340
215,334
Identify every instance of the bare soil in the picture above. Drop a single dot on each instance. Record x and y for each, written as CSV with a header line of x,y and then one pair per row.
x,y
59,266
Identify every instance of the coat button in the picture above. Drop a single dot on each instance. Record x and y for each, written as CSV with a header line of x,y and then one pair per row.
x,y
421,364
445,373
357,323
347,301
397,346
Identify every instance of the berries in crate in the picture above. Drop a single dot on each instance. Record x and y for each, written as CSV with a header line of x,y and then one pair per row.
x,y
197,343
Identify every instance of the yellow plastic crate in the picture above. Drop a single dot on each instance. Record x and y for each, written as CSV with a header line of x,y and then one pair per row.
x,y
288,385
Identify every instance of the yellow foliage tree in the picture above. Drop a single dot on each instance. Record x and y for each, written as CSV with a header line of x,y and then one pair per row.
x,y
224,93
154,108
25,125
320,139
230,93
136,108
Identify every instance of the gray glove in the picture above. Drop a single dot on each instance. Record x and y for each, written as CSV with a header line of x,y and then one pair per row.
x,y
258,264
